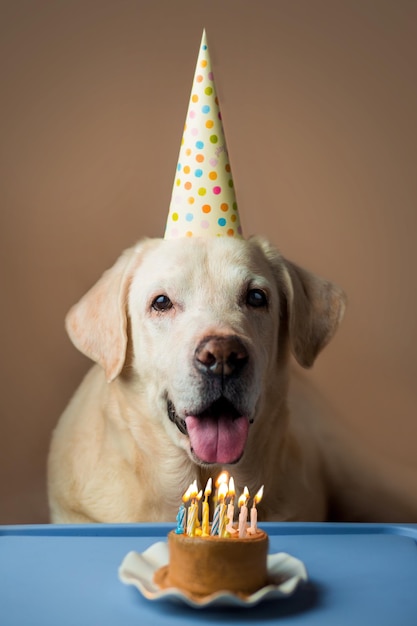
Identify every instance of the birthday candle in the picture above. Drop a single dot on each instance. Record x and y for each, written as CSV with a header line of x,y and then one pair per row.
x,y
198,530
181,515
215,522
192,511
223,477
231,505
222,509
205,528
191,520
180,529
222,520
243,516
254,513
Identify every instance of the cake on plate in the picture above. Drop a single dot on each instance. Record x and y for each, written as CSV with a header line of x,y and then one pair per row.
x,y
220,556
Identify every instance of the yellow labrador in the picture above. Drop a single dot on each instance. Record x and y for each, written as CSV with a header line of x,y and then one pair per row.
x,y
192,342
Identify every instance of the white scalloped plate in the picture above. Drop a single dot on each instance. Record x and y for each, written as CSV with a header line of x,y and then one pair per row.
x,y
284,571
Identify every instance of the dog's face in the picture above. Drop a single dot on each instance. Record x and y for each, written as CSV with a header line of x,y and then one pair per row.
x,y
204,324
207,322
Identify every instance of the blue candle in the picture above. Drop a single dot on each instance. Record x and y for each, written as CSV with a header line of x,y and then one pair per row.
x,y
181,515
180,529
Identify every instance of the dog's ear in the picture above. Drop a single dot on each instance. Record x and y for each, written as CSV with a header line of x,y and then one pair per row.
x,y
314,307
97,324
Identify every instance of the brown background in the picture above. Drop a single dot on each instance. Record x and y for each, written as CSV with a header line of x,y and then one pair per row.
x,y
319,101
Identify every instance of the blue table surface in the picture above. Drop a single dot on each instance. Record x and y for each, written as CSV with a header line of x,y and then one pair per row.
x,y
359,574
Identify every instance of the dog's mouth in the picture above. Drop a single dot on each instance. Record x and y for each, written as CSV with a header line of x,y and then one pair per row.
x,y
217,435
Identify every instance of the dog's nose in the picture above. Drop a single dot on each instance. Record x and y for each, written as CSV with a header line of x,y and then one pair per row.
x,y
221,356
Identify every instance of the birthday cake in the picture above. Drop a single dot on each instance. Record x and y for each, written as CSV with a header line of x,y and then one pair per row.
x,y
224,555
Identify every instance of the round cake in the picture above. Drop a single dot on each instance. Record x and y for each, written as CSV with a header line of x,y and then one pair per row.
x,y
204,565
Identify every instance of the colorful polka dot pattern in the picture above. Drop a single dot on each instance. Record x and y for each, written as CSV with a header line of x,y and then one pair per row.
x,y
203,202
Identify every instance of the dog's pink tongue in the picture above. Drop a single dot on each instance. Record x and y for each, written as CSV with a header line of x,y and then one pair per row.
x,y
217,439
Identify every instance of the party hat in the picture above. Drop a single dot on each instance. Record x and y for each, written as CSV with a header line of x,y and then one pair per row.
x,y
203,202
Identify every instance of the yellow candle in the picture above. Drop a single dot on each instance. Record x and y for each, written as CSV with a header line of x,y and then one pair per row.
x,y
192,520
192,511
205,529
199,496
222,520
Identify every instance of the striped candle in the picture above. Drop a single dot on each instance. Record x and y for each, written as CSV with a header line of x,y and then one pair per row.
x,y
222,520
180,530
216,521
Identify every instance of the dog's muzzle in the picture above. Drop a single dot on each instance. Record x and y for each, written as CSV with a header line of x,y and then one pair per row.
x,y
218,426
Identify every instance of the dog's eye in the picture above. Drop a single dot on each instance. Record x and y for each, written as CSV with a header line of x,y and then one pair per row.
x,y
256,298
161,303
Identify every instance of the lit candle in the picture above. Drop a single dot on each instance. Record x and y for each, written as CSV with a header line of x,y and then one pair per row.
x,y
215,522
222,512
191,520
231,506
198,529
222,478
206,524
243,516
181,515
192,511
220,508
254,513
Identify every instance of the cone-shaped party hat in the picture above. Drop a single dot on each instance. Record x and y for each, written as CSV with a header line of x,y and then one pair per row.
x,y
203,202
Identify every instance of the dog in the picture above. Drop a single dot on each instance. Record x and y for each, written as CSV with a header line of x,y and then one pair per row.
x,y
193,342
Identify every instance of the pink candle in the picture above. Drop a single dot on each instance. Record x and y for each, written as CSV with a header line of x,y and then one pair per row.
x,y
254,513
243,515
231,506
243,520
230,514
253,520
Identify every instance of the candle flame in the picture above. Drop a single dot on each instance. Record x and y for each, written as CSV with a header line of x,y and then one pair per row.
x,y
222,492
187,494
193,489
222,478
207,490
258,496
199,495
242,500
244,497
231,487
